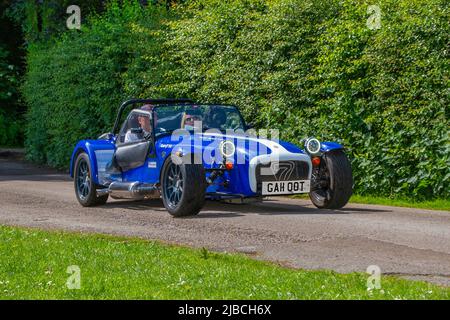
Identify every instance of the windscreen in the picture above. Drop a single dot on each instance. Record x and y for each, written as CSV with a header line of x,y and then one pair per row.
x,y
188,117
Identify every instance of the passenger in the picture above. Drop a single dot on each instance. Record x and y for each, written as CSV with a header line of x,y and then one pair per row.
x,y
191,120
217,118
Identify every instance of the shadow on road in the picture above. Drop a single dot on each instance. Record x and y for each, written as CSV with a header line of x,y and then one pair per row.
x,y
153,204
271,207
215,209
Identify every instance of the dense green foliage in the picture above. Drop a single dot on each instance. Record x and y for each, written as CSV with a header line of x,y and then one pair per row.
x,y
34,266
11,69
11,132
303,67
74,86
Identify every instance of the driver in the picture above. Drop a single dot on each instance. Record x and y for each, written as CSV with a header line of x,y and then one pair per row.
x,y
190,119
144,123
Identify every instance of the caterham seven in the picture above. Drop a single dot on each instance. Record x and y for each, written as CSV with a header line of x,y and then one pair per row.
x,y
185,152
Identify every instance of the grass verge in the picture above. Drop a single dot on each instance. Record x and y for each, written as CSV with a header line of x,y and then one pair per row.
x,y
438,204
34,264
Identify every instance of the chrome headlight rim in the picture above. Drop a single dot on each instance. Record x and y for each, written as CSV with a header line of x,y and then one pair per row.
x,y
227,148
313,145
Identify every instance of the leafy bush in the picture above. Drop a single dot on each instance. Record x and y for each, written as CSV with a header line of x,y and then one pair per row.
x,y
11,133
315,68
303,67
74,86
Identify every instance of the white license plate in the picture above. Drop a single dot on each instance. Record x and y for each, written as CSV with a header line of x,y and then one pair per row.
x,y
285,187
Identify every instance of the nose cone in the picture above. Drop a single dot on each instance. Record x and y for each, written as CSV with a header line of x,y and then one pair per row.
x,y
248,146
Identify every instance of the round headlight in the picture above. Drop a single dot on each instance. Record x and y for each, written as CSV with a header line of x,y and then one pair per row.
x,y
312,145
227,148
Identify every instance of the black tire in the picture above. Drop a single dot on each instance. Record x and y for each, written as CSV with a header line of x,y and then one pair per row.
x,y
335,174
190,198
85,188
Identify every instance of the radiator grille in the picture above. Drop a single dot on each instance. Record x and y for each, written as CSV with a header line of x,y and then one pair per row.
x,y
281,171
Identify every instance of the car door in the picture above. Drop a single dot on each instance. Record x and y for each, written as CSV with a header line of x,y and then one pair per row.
x,y
134,143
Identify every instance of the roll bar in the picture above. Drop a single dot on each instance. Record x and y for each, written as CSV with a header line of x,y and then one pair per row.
x,y
149,101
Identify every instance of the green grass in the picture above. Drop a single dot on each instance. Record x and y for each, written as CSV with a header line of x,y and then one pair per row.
x,y
439,204
34,263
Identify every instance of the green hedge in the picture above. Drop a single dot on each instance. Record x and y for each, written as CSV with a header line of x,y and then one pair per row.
x,y
75,84
306,68
11,123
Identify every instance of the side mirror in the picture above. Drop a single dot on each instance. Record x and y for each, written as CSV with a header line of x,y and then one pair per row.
x,y
106,136
137,130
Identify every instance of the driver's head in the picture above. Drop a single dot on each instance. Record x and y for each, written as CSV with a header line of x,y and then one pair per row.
x,y
147,107
144,121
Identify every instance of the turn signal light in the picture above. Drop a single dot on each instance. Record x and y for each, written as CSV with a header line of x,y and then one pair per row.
x,y
315,161
229,165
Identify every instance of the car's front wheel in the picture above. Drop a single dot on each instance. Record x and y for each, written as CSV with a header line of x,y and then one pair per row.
x,y
331,181
183,188
85,188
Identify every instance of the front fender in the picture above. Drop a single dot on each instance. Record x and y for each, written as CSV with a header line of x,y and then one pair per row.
x,y
328,146
89,147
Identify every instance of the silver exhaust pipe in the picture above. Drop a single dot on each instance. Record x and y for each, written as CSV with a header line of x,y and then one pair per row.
x,y
130,190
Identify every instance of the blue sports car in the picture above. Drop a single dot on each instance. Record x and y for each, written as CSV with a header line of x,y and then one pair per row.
x,y
186,152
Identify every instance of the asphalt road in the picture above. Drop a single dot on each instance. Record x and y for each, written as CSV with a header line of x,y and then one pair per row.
x,y
412,243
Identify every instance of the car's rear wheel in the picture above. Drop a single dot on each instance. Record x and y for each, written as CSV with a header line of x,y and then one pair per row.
x,y
183,188
331,181
85,188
